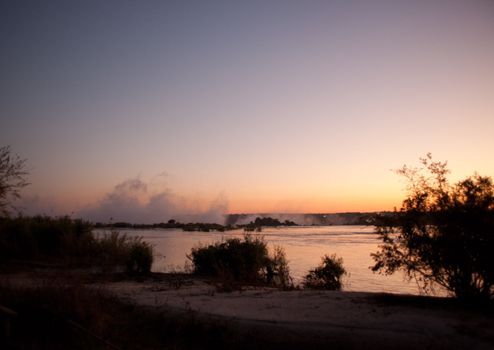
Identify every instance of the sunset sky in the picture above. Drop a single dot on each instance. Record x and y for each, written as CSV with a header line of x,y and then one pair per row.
x,y
148,110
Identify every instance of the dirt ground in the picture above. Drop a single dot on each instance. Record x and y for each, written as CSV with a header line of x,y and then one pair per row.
x,y
340,319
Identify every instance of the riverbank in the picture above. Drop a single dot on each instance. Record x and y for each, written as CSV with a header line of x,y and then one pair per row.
x,y
270,318
348,319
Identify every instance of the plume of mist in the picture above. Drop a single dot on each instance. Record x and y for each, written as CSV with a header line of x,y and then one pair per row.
x,y
132,201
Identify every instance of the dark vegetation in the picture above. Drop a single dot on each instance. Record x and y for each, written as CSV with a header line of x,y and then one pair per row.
x,y
59,241
443,233
323,219
259,222
72,316
198,226
326,276
244,260
12,179
70,243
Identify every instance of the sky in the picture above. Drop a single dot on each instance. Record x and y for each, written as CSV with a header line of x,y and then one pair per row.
x,y
148,110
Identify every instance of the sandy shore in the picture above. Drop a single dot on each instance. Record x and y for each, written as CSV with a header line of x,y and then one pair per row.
x,y
342,319
299,318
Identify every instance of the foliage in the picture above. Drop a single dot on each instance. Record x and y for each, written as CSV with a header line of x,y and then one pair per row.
x,y
244,260
198,226
327,275
443,233
25,238
114,250
71,242
259,222
277,272
140,257
12,178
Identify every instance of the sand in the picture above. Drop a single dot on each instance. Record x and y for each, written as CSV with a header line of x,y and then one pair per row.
x,y
341,319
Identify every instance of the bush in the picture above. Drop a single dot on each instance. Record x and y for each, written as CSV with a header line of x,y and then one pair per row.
x,y
244,260
42,237
140,257
443,234
327,275
278,272
72,243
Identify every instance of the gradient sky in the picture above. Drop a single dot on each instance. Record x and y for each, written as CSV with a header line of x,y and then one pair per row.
x,y
299,106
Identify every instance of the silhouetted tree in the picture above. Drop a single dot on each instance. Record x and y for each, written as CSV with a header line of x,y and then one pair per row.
x,y
12,178
443,233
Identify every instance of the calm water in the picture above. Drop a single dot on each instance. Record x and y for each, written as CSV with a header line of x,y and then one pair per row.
x,y
304,246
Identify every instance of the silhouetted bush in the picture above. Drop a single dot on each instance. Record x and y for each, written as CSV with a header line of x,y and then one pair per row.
x,y
140,257
278,272
115,251
443,233
25,238
244,260
326,276
70,242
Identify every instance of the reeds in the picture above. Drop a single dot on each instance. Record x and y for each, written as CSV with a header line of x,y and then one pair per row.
x,y
68,242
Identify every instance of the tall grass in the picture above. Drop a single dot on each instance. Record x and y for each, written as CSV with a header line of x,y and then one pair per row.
x,y
70,242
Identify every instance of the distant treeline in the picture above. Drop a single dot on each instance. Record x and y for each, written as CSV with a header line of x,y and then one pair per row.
x,y
197,226
321,219
250,222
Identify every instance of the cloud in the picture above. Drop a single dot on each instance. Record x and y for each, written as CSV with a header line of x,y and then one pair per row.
x,y
133,201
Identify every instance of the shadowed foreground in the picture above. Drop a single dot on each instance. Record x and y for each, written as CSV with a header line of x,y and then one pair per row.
x,y
343,319
183,312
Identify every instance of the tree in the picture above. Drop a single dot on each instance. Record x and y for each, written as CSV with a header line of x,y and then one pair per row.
x,y
12,178
443,234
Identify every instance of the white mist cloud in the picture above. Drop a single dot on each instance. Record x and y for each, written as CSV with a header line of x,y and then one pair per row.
x,y
133,201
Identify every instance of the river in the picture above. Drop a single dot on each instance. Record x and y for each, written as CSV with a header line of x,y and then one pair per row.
x,y
304,246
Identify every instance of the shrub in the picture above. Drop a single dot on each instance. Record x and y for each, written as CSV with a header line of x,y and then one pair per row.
x,y
114,251
244,260
25,238
327,275
443,234
278,272
140,257
71,242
